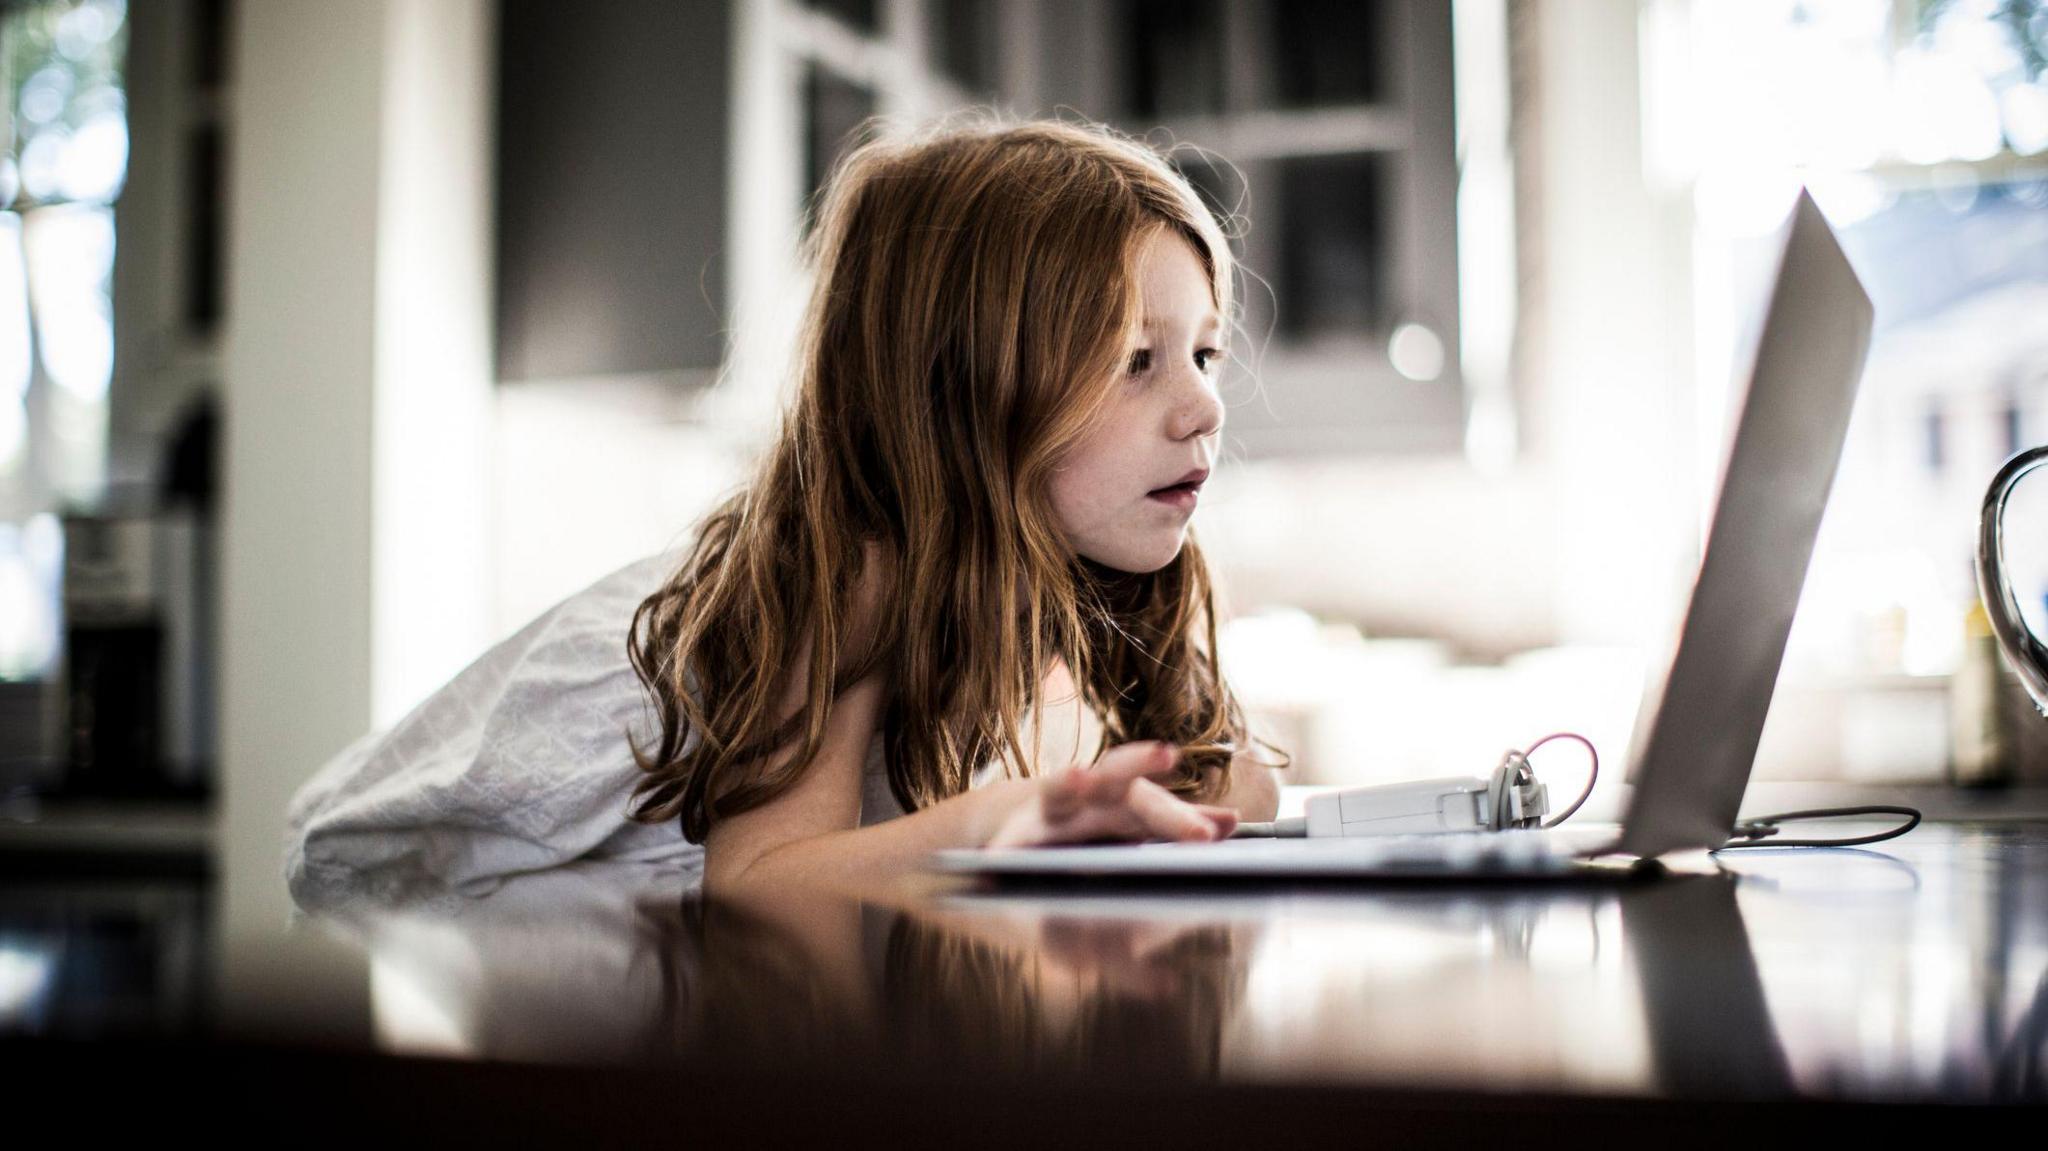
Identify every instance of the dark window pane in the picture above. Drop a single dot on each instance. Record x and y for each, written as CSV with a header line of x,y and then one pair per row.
x,y
1333,246
1174,57
1327,52
834,108
203,176
611,187
210,39
963,42
862,14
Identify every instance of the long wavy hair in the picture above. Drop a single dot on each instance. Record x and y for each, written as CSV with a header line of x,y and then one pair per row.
x,y
973,295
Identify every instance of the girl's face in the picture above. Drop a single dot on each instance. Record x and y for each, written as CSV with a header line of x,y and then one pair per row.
x,y
1161,423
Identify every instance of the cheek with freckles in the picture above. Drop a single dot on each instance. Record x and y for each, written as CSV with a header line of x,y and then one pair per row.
x,y
1098,500
1081,500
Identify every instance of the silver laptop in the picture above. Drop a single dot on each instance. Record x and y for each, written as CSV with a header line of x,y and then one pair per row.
x,y
1703,717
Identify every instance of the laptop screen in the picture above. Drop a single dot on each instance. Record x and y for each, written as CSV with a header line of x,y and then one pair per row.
x,y
1703,717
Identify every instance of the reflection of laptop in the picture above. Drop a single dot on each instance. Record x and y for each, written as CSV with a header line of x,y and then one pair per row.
x,y
1692,762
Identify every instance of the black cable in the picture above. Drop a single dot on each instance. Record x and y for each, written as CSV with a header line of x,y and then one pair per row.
x,y
1758,832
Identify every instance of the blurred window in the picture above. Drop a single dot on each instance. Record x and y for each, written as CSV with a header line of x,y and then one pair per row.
x,y
1328,126
1922,131
1324,135
62,171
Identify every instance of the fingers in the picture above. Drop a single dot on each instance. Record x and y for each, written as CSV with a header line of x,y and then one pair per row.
x,y
1145,811
1167,816
1121,778
1065,794
1140,759
1109,778
1225,818
1115,799
1096,824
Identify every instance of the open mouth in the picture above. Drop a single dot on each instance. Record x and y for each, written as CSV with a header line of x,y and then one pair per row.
x,y
1179,495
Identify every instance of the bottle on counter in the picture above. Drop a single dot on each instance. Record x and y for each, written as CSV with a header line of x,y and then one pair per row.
x,y
1983,747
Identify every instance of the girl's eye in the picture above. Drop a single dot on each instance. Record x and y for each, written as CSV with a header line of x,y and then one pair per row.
x,y
1205,359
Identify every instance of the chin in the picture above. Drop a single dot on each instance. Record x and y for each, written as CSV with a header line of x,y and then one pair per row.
x,y
1137,561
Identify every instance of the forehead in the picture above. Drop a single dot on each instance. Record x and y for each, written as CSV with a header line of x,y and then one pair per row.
x,y
1174,286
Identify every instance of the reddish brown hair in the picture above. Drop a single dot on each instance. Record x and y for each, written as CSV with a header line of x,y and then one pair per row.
x,y
973,295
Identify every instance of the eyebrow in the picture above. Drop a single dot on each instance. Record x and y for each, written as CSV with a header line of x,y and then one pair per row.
x,y
1209,320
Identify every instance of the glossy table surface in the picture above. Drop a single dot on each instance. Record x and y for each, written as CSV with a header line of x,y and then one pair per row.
x,y
1916,970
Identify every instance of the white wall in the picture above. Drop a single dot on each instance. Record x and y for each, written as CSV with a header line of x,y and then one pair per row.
x,y
592,475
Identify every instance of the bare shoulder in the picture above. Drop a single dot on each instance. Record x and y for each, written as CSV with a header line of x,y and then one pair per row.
x,y
826,795
877,573
856,629
870,595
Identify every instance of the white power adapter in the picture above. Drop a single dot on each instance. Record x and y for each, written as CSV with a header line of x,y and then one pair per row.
x,y
1510,798
1455,804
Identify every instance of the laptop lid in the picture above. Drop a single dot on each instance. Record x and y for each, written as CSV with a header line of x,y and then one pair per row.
x,y
1697,738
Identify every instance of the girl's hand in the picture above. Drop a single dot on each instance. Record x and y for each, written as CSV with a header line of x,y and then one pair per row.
x,y
1111,800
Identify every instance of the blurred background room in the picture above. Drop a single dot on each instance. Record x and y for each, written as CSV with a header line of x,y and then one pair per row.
x,y
338,339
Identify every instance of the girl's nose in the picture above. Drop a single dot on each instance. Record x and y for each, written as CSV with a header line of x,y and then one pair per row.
x,y
1200,412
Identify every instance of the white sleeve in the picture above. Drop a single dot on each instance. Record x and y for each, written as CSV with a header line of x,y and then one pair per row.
x,y
519,763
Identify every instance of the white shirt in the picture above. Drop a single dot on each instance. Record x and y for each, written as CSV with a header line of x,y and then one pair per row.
x,y
519,763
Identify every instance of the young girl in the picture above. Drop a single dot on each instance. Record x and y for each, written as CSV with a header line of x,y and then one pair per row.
x,y
977,507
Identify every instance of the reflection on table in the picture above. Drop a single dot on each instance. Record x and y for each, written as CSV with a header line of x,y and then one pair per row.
x,y
1915,972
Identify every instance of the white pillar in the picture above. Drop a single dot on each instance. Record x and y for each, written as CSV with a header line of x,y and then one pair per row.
x,y
357,396
433,397
1615,417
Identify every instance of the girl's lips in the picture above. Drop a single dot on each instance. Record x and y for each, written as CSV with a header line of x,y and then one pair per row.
x,y
1179,495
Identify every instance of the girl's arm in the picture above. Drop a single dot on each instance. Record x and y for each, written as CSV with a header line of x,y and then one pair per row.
x,y
1254,791
811,834
808,835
